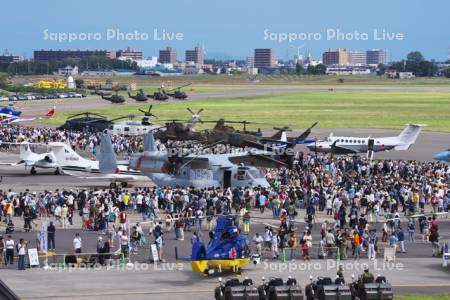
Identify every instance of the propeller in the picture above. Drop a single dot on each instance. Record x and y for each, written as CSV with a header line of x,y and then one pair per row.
x,y
196,116
285,128
148,113
307,132
86,115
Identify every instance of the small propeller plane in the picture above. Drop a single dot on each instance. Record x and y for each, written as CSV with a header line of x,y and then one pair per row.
x,y
355,145
9,119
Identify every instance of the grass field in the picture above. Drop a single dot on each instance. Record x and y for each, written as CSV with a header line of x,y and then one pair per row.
x,y
299,110
242,79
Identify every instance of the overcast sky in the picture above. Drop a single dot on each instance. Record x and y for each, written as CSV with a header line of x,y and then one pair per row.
x,y
230,28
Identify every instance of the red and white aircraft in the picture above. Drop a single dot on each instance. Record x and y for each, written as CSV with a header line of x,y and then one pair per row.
x,y
9,119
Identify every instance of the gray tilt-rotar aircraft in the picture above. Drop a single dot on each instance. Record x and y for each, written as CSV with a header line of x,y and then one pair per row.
x,y
198,171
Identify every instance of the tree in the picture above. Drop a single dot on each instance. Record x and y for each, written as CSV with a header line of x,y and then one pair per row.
x,y
299,70
448,73
415,56
311,70
321,69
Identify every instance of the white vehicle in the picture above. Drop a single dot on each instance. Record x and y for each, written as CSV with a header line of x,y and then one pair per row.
x,y
130,128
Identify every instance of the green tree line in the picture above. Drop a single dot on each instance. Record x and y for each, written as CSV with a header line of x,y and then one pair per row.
x,y
29,67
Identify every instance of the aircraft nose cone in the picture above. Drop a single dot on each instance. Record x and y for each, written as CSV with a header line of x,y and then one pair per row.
x,y
442,156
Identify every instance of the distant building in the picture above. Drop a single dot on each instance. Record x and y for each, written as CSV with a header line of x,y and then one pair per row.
x,y
9,58
376,57
264,58
195,56
250,62
338,57
357,58
130,53
67,71
54,55
168,56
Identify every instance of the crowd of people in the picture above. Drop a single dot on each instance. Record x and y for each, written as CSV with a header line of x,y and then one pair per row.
x,y
79,141
350,191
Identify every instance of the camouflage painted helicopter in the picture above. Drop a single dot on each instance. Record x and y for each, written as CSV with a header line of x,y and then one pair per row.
x,y
180,130
160,94
140,96
177,93
114,98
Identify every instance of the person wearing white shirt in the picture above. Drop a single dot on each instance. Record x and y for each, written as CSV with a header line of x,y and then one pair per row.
x,y
77,243
22,250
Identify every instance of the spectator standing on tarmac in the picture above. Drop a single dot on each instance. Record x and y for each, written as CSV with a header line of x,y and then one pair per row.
x,y
159,245
259,240
372,239
124,244
411,228
51,230
401,239
293,244
246,222
9,246
434,237
21,251
77,243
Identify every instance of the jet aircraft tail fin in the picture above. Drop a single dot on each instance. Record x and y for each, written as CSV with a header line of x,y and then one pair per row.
x,y
408,136
107,162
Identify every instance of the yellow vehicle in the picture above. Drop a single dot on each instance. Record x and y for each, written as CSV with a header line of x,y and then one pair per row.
x,y
51,84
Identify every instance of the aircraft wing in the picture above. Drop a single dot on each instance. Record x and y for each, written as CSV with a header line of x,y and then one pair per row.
x,y
257,160
100,176
337,149
19,163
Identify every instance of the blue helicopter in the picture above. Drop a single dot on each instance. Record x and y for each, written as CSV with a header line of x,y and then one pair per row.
x,y
228,250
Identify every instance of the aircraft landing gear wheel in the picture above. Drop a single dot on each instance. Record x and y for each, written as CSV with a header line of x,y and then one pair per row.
x,y
57,172
33,171
112,185
124,184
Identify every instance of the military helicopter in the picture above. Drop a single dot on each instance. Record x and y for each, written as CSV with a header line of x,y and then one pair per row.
x,y
177,93
159,95
181,130
147,115
140,96
115,98
86,121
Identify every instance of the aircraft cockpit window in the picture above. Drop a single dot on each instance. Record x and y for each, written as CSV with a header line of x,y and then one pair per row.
x,y
255,173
